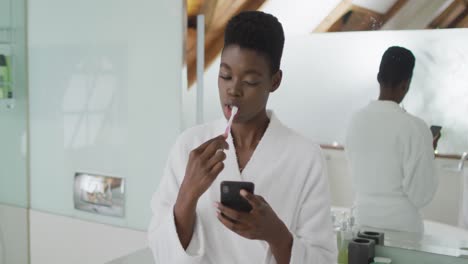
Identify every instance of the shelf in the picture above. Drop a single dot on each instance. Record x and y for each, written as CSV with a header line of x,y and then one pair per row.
x,y
6,84
5,48
7,103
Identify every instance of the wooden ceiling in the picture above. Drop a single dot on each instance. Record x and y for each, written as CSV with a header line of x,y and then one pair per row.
x,y
454,16
349,17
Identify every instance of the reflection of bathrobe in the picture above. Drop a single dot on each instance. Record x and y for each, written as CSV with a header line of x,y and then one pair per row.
x,y
288,171
392,164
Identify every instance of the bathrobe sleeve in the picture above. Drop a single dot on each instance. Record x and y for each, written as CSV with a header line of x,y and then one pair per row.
x,y
162,234
420,180
314,240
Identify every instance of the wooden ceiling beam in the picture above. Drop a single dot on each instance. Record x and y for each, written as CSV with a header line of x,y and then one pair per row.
x,y
371,20
394,9
459,20
452,16
336,14
463,23
194,7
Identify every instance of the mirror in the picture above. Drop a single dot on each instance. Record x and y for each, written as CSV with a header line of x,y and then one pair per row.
x,y
361,15
329,76
14,198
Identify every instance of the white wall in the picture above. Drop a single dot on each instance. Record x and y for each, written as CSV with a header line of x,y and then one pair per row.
x,y
13,120
57,240
105,82
13,235
13,140
299,17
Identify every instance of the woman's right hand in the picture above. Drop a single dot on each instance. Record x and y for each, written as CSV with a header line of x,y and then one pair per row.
x,y
204,165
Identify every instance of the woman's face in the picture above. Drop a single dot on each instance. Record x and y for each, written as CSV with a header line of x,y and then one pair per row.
x,y
245,81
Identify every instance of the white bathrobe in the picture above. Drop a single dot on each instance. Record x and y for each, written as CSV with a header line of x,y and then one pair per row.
x,y
287,170
391,159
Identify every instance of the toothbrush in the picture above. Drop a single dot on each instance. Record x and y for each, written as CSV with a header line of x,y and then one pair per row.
x,y
233,114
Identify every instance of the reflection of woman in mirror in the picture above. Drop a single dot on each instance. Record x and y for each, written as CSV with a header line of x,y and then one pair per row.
x,y
390,153
290,220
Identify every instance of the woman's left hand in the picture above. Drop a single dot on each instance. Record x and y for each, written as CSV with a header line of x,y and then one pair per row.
x,y
261,223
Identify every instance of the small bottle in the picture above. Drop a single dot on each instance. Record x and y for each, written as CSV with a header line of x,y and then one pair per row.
x,y
336,227
5,91
352,223
345,236
333,218
3,73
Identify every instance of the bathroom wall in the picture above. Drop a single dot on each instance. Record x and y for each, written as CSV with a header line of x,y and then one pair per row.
x,y
14,235
104,98
60,239
13,113
13,138
104,84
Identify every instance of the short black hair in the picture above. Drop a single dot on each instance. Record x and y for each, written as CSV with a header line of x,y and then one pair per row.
x,y
257,31
396,66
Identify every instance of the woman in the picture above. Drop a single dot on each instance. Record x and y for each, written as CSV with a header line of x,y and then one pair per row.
x,y
290,219
391,153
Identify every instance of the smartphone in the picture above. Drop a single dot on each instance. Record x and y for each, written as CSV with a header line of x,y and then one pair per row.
x,y
435,130
230,195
